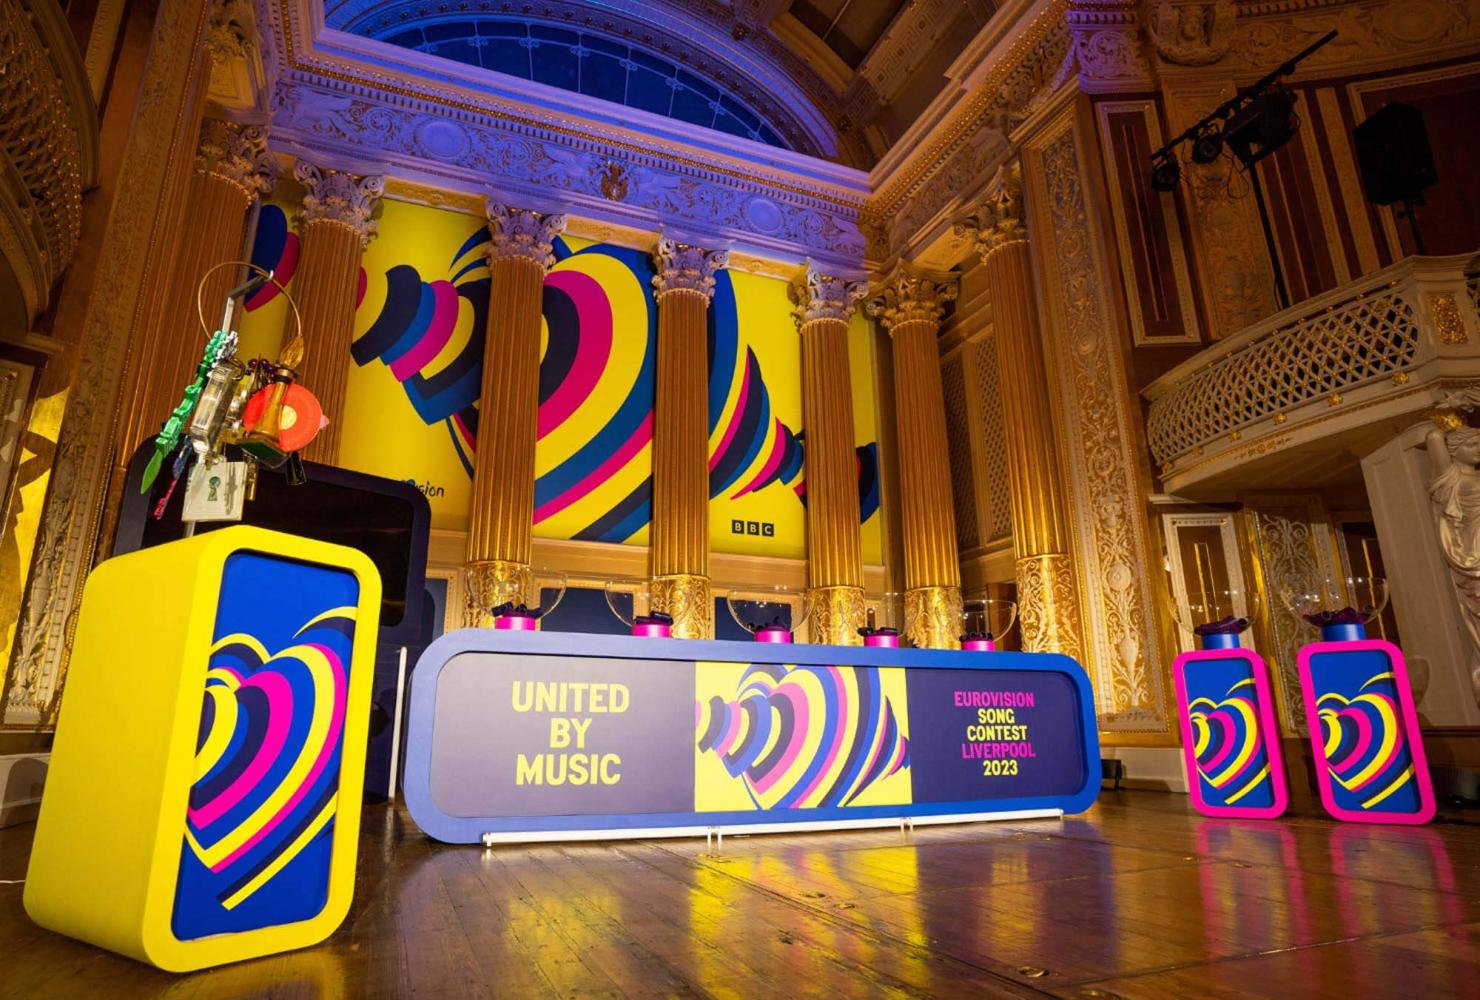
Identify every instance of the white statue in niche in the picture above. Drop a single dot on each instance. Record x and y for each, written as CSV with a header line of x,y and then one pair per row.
x,y
1454,456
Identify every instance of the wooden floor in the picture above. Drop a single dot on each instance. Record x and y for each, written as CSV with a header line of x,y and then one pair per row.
x,y
1140,898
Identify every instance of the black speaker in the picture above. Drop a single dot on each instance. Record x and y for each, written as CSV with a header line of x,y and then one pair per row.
x,y
1394,156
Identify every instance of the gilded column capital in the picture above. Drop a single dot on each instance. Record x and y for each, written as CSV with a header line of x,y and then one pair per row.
x,y
912,295
237,154
339,197
683,267
523,233
820,296
998,220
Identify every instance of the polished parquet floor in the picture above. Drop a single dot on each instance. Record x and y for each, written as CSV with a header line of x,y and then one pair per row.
x,y
1138,898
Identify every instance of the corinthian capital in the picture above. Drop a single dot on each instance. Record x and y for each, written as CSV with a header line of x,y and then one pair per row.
x,y
237,154
820,296
339,197
683,267
520,232
911,295
999,218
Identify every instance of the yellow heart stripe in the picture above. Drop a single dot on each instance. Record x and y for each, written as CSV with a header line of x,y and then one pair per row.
x,y
323,708
303,840
242,639
348,612
1202,735
224,727
1253,783
1390,789
1389,735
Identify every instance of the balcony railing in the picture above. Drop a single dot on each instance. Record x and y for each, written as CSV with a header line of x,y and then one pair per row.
x,y
1386,337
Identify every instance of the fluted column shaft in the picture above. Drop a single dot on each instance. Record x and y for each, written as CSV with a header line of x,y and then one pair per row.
x,y
335,227
1048,600
501,520
910,306
679,536
836,605
233,168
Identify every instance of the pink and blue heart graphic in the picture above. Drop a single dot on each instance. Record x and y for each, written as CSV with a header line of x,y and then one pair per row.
x,y
805,737
1365,748
260,814
1231,760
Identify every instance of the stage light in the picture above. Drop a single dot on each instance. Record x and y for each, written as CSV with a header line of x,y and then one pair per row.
x,y
1165,173
1208,146
1262,126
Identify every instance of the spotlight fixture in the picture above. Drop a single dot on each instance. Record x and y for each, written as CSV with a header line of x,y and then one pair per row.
x,y
1208,145
1165,173
1262,126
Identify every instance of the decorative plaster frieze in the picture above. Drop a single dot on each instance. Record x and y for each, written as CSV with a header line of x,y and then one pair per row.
x,y
1192,32
1107,49
1370,35
425,143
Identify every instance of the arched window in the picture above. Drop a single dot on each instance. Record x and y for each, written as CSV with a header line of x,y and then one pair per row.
x,y
588,63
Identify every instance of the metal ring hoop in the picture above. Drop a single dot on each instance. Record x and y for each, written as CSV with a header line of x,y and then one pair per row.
x,y
200,288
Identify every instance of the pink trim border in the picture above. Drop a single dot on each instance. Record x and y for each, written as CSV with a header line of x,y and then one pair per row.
x,y
1411,733
1269,735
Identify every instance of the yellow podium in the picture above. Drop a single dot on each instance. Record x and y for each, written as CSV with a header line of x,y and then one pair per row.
x,y
203,800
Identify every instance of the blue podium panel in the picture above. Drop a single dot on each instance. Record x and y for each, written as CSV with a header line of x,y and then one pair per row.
x,y
548,736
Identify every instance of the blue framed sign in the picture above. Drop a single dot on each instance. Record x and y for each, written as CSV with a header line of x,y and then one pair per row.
x,y
549,736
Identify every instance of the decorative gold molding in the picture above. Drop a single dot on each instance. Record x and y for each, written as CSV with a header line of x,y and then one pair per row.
x,y
489,583
689,600
1447,320
933,617
835,614
1099,437
137,250
1048,605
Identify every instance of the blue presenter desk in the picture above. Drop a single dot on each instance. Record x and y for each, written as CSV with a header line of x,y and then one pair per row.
x,y
562,736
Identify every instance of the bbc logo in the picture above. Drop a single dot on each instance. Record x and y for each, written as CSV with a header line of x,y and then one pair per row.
x,y
763,528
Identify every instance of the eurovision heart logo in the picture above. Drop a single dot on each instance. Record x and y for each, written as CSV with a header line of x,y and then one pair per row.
x,y
1363,741
267,753
803,737
1226,742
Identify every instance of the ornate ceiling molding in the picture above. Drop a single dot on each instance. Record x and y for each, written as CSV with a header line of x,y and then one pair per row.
x,y
445,131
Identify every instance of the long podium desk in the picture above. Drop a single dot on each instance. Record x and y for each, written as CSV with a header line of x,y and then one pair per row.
x,y
531,736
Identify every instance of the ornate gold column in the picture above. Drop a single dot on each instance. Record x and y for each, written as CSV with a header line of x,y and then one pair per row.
x,y
335,226
680,528
1048,599
233,168
910,303
501,524
834,546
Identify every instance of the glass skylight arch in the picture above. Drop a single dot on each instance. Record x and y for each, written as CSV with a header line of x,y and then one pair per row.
x,y
588,63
